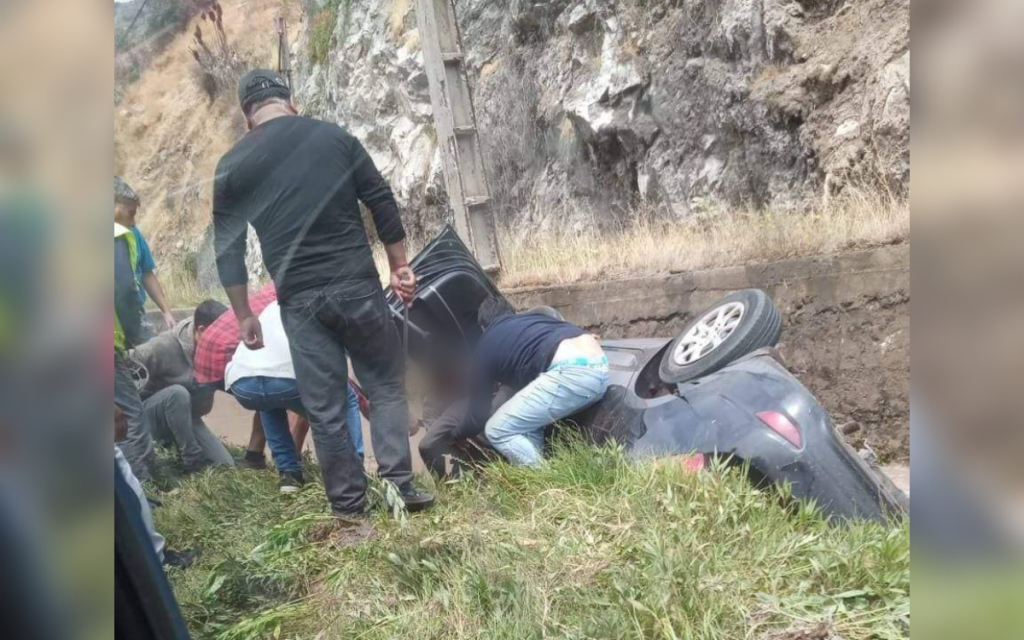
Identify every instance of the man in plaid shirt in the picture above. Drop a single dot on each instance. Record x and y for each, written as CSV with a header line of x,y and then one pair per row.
x,y
214,350
218,342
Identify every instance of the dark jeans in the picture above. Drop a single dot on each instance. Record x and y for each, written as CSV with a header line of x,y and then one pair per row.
x,y
170,416
324,326
439,443
274,398
138,446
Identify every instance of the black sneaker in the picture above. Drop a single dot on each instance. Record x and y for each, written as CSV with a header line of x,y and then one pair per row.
x,y
416,500
252,460
180,559
199,467
347,529
291,482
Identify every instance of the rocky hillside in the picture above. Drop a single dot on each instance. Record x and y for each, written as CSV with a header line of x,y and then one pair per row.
x,y
592,107
591,110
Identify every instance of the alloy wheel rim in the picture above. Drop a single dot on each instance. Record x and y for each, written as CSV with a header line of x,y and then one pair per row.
x,y
709,333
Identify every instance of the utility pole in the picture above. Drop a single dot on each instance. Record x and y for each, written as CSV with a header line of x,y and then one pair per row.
x,y
457,136
284,57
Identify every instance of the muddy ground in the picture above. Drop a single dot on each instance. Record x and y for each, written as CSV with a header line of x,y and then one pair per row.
x,y
855,357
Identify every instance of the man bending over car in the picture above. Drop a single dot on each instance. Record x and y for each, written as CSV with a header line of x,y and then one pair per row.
x,y
555,368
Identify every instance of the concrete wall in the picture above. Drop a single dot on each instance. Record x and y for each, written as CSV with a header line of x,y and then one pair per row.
x,y
830,280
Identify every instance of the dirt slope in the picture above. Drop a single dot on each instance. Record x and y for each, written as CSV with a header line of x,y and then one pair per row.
x,y
168,134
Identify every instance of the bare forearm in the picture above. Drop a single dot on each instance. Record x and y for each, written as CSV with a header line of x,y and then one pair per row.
x,y
396,255
155,290
299,431
238,295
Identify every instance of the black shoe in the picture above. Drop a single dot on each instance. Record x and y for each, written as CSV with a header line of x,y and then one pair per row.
x,y
252,460
180,559
416,500
351,517
199,467
291,482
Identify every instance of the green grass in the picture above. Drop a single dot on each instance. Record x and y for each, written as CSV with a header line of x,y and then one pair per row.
x,y
590,547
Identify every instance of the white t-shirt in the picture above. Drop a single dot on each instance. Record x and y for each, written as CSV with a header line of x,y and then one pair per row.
x,y
274,360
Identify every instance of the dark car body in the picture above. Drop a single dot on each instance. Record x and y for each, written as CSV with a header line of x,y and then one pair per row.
x,y
716,416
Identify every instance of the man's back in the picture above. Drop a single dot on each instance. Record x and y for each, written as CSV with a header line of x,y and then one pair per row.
x,y
518,348
298,181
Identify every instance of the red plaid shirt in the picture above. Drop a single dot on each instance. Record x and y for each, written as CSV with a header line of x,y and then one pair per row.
x,y
218,343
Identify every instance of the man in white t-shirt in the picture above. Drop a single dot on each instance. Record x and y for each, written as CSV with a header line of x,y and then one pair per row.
x,y
264,381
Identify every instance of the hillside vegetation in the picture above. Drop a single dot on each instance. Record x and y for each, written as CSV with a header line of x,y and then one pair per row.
x,y
771,164
591,547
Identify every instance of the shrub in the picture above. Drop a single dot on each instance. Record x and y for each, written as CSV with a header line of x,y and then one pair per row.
x,y
321,32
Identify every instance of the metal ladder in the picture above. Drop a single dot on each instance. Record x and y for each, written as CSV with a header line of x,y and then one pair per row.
x,y
457,136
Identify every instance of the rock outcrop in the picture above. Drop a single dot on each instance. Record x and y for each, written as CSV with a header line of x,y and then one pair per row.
x,y
589,108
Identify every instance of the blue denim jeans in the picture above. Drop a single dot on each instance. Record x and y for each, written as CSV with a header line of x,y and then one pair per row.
x,y
274,398
517,428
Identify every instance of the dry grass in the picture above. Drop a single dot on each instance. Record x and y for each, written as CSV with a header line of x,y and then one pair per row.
x,y
396,17
724,239
168,137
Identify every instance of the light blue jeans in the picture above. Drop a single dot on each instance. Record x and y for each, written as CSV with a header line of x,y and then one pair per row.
x,y
517,428
274,398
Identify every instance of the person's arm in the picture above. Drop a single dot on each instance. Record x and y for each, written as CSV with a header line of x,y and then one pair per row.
x,y
403,280
249,328
147,354
373,190
299,432
156,291
202,399
229,234
481,394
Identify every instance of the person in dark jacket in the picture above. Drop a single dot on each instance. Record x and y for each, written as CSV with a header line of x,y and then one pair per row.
x,y
173,401
129,332
299,182
555,368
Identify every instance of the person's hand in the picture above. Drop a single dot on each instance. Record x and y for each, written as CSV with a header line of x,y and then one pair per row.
x,y
403,283
251,333
169,319
120,425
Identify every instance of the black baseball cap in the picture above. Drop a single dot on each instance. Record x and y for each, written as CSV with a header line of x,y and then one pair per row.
x,y
261,84
124,193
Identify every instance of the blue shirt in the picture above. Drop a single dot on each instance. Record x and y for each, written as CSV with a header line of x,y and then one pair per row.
x,y
512,352
145,264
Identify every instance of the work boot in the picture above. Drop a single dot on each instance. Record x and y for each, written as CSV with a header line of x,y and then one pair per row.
x,y
416,500
252,460
291,482
346,529
197,467
180,559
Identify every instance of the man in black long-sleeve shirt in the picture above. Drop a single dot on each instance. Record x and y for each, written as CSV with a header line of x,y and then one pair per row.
x,y
298,182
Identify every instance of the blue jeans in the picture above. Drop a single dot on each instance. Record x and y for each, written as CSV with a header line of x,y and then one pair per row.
x,y
517,428
274,398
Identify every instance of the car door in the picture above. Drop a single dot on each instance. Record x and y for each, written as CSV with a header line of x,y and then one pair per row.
x,y
442,327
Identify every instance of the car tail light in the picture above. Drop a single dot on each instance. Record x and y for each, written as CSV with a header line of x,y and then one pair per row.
x,y
783,426
692,463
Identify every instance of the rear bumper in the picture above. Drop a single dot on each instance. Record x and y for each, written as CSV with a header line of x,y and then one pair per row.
x,y
716,416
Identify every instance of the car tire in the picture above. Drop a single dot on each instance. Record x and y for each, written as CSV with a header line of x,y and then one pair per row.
x,y
550,312
736,325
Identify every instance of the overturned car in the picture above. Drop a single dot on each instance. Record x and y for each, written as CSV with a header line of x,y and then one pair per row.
x,y
717,391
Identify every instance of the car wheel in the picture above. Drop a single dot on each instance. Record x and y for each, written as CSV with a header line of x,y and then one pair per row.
x,y
550,312
737,325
